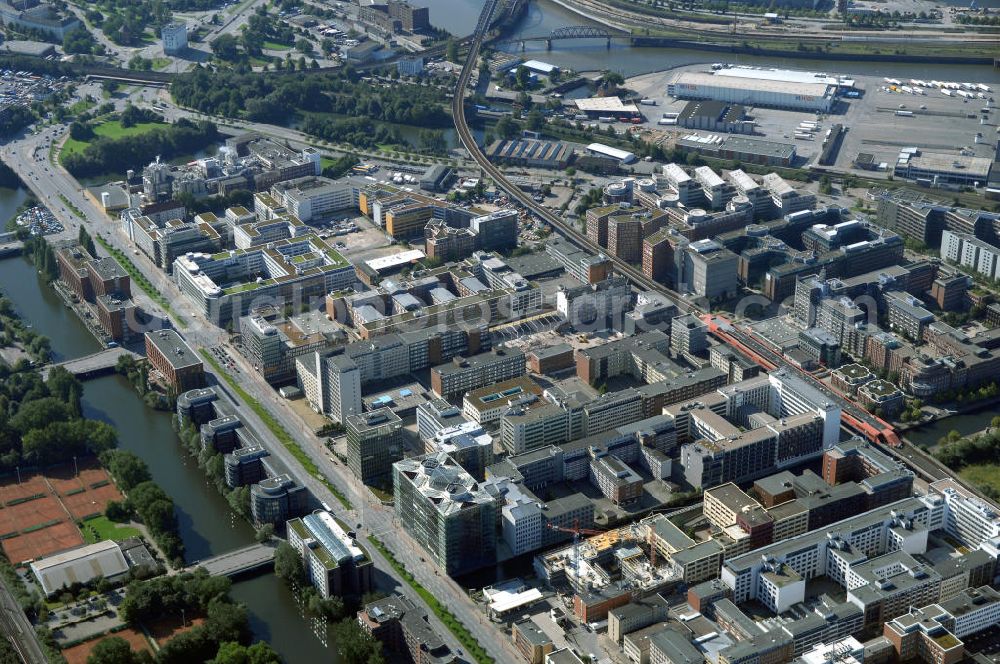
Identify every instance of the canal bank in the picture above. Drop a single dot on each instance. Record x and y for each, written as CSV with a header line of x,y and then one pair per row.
x,y
207,525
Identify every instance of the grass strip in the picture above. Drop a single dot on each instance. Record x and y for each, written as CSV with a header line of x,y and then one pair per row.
x,y
72,208
277,429
140,279
454,625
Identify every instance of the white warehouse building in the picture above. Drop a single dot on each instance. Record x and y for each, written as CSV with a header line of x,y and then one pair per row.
x,y
815,96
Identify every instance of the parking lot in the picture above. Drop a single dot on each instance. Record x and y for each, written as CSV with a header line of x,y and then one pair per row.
x,y
931,121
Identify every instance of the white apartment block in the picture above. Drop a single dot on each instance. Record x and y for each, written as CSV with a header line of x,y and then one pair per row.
x,y
793,396
968,518
970,252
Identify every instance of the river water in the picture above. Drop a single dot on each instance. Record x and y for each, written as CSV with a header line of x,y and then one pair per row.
x,y
542,16
207,525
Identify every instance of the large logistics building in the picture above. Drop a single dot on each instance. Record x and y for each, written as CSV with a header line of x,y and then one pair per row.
x,y
749,90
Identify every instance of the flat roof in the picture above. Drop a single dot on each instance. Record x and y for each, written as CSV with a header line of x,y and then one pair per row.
x,y
952,163
173,348
609,104
718,80
607,150
395,260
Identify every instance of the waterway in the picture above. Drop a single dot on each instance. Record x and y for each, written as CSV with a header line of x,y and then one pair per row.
x,y
207,525
965,424
542,16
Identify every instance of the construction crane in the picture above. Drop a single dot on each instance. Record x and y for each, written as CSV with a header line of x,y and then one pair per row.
x,y
577,531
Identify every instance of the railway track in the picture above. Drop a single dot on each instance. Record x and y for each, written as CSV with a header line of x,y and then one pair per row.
x,y
468,140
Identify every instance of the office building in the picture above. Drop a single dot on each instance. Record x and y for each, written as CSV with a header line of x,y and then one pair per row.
x,y
710,270
584,267
619,483
227,285
174,360
531,641
273,343
332,385
175,39
497,230
446,511
969,518
374,443
487,404
468,373
334,563
968,251
447,243
597,306
405,631
314,198
834,551
117,317
688,336
636,615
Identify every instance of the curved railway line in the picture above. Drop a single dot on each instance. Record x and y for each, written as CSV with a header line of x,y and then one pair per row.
x,y
854,417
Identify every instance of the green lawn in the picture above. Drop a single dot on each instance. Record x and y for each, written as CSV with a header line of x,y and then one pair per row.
x,y
275,46
100,528
81,106
988,474
110,129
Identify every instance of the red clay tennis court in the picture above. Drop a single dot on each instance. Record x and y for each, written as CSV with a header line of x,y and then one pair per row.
x,y
86,495
43,542
79,653
37,515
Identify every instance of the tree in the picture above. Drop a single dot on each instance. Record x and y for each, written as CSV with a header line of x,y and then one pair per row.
x,y
225,47
288,564
303,45
506,128
535,120
264,533
39,413
451,52
612,79
235,653
522,77
355,646
127,468
112,650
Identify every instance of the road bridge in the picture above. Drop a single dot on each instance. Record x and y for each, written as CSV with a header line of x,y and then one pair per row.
x,y
253,558
93,365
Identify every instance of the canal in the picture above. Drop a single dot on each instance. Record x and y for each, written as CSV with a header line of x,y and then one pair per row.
x,y
207,525
542,16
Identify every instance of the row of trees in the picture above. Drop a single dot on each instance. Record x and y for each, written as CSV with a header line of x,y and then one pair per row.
x,y
107,155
